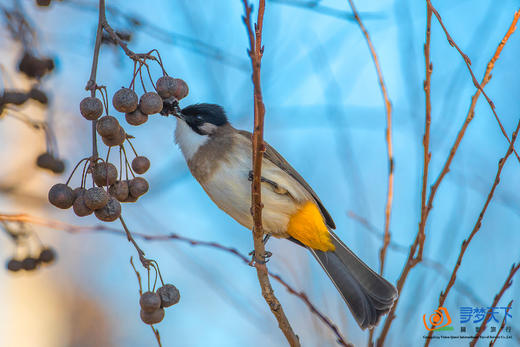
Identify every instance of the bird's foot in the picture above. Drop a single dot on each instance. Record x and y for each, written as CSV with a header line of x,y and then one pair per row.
x,y
264,258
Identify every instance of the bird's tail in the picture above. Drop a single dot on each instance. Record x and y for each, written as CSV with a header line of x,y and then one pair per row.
x,y
368,295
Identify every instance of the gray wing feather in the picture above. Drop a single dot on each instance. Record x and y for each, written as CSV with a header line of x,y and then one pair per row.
x,y
274,157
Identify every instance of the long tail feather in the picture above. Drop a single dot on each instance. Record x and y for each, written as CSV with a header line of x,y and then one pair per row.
x,y
368,295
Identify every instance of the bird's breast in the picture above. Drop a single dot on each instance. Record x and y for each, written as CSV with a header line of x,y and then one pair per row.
x,y
230,189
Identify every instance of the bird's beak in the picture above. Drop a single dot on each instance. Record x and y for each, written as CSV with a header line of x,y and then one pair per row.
x,y
171,107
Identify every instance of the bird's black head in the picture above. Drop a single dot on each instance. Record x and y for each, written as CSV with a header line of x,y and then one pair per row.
x,y
204,118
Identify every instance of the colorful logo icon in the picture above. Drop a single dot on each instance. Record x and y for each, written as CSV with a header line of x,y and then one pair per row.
x,y
439,320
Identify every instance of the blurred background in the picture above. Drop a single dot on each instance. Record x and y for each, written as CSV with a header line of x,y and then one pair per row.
x,y
324,114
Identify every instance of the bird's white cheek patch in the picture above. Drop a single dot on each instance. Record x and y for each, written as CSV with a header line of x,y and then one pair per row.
x,y
188,140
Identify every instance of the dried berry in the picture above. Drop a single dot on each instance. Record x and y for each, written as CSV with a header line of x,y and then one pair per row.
x,y
80,208
107,126
110,212
104,174
58,166
35,67
45,160
152,317
14,265
96,198
150,301
116,140
169,295
138,186
47,255
91,108
78,192
29,263
43,3
165,86
61,196
38,95
119,190
130,198
125,100
140,165
150,103
136,118
181,89
14,97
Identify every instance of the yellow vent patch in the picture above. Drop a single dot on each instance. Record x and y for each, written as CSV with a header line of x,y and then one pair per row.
x,y
307,226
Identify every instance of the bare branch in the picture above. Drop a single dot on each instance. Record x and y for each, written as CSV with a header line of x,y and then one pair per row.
x,y
388,137
497,298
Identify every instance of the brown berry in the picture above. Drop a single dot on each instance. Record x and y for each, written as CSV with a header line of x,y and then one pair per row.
x,y
45,160
78,192
150,301
57,166
96,198
80,208
91,108
150,103
47,255
104,174
130,198
180,89
61,196
125,100
119,190
29,263
116,140
138,186
169,295
152,317
38,95
107,126
14,265
136,118
140,165
165,86
110,212
14,97
43,3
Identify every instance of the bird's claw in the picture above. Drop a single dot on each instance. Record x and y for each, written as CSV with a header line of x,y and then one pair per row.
x,y
265,258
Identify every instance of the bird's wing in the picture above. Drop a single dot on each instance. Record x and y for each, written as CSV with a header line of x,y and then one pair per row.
x,y
276,158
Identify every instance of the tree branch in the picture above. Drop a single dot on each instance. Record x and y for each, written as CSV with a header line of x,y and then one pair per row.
x,y
58,225
497,298
478,224
388,137
255,53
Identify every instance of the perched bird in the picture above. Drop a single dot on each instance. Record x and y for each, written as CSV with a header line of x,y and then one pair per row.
x,y
219,157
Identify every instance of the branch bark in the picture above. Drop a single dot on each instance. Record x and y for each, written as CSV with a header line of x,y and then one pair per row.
x,y
497,298
476,228
388,137
255,53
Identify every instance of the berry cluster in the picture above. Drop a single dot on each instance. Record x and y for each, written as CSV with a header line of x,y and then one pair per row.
x,y
153,304
24,258
29,263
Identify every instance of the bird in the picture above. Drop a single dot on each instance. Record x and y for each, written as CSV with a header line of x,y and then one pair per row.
x,y
220,159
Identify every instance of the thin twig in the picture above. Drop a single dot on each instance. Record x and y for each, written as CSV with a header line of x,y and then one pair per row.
x,y
471,113
497,298
467,61
478,224
502,326
420,237
255,53
388,137
70,228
